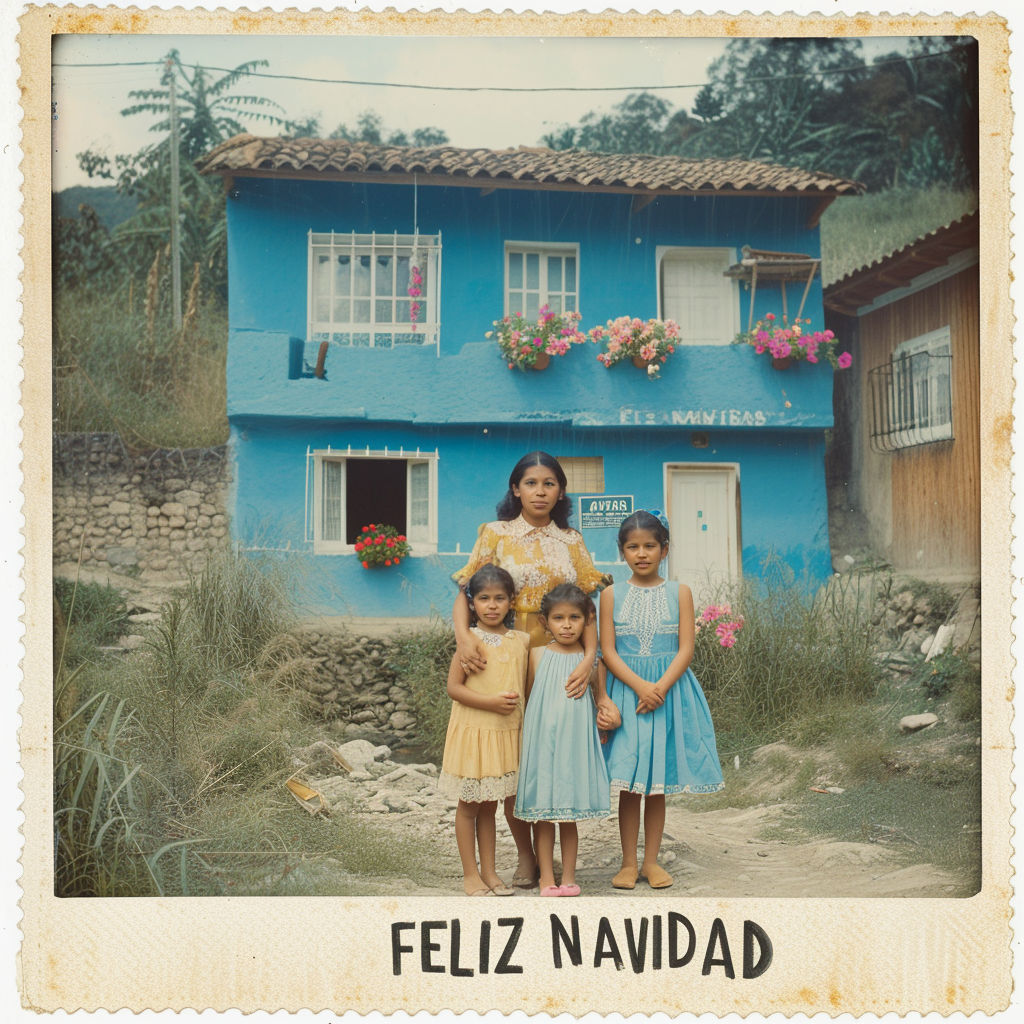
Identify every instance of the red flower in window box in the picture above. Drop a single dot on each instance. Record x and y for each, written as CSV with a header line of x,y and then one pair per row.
x,y
381,545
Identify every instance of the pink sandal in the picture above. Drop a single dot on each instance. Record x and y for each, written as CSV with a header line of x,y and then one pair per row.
x,y
569,890
552,890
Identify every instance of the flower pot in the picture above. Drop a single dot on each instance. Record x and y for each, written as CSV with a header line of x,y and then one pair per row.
x,y
640,363
542,361
782,364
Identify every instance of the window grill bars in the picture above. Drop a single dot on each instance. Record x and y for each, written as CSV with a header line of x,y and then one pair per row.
x,y
910,402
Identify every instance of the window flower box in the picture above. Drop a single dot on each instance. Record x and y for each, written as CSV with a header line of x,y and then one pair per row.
x,y
526,344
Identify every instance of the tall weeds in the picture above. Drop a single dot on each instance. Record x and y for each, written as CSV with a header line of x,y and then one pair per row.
x,y
197,720
121,369
800,653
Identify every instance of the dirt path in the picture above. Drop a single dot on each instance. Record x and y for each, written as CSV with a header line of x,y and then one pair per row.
x,y
714,853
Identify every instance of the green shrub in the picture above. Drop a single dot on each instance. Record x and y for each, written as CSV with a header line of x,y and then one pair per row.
x,y
946,672
422,662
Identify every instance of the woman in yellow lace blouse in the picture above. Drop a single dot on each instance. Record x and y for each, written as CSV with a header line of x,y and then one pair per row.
x,y
532,540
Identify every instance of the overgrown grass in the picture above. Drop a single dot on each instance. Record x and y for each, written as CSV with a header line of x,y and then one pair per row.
x,y
857,231
422,661
90,615
182,747
161,389
800,654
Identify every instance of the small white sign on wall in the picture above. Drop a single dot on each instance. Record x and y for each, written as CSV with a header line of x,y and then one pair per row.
x,y
604,511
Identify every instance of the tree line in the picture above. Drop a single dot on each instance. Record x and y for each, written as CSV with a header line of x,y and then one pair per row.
x,y
903,120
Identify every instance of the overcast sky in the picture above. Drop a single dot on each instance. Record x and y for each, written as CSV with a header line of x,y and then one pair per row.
x,y
89,100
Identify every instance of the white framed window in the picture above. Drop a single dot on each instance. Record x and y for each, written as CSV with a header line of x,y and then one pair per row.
x,y
537,274
349,488
584,473
921,398
693,291
358,289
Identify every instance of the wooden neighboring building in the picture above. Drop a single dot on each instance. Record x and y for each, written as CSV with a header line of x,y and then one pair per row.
x,y
907,433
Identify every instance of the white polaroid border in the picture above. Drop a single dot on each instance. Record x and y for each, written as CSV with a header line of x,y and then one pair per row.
x,y
833,956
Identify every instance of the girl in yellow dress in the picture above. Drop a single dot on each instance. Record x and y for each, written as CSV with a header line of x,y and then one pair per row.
x,y
481,750
533,541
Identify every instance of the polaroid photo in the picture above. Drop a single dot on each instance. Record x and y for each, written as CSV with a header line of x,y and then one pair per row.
x,y
556,459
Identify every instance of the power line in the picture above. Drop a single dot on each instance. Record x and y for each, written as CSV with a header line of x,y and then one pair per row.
x,y
526,89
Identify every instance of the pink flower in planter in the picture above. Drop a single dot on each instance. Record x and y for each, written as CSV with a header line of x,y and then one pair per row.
x,y
845,359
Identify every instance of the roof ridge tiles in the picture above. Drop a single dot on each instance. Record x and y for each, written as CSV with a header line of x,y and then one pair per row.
x,y
635,171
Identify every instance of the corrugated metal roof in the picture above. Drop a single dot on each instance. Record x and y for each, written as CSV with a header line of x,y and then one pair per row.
x,y
899,268
525,167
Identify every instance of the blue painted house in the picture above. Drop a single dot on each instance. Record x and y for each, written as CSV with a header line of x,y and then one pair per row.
x,y
414,419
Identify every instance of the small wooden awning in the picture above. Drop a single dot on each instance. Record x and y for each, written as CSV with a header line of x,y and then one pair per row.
x,y
766,265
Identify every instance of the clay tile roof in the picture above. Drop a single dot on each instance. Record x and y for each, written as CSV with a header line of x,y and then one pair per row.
x,y
933,249
532,166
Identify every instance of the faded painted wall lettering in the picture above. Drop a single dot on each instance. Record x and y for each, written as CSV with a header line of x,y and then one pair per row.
x,y
694,417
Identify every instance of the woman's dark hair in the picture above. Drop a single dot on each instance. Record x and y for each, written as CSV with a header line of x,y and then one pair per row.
x,y
567,593
510,506
643,521
487,576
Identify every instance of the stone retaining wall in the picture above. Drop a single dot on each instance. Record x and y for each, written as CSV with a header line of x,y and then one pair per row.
x,y
165,509
356,688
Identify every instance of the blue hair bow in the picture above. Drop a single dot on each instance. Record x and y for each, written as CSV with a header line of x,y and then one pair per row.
x,y
659,515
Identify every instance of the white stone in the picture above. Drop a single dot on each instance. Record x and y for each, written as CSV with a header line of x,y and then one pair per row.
x,y
189,498
357,753
381,752
914,723
172,508
119,508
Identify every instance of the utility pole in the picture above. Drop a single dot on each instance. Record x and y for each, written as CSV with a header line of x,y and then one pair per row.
x,y
175,217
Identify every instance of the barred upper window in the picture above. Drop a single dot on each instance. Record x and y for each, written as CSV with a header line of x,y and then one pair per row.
x,y
358,289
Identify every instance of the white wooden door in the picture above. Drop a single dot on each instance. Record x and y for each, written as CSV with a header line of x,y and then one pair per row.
x,y
703,522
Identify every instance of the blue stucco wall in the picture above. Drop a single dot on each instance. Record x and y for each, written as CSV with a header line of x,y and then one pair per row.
x,y
483,417
783,508
269,218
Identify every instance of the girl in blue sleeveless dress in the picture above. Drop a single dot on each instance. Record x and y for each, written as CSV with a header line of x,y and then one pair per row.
x,y
666,743
562,772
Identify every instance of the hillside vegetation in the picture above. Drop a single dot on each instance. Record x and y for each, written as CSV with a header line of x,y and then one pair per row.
x,y
858,231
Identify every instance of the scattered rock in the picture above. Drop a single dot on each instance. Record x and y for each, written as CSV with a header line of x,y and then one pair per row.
x,y
915,723
837,790
359,752
762,853
132,642
145,617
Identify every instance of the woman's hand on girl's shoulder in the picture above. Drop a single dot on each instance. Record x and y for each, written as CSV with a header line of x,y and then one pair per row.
x,y
472,654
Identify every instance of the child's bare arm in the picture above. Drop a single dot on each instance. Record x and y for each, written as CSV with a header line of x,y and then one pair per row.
x,y
608,653
531,669
681,662
608,715
502,703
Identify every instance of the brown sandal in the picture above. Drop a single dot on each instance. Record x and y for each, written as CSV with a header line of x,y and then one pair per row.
x,y
657,877
626,879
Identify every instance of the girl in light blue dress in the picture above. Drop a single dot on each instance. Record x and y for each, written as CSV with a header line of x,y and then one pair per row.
x,y
562,772
666,743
